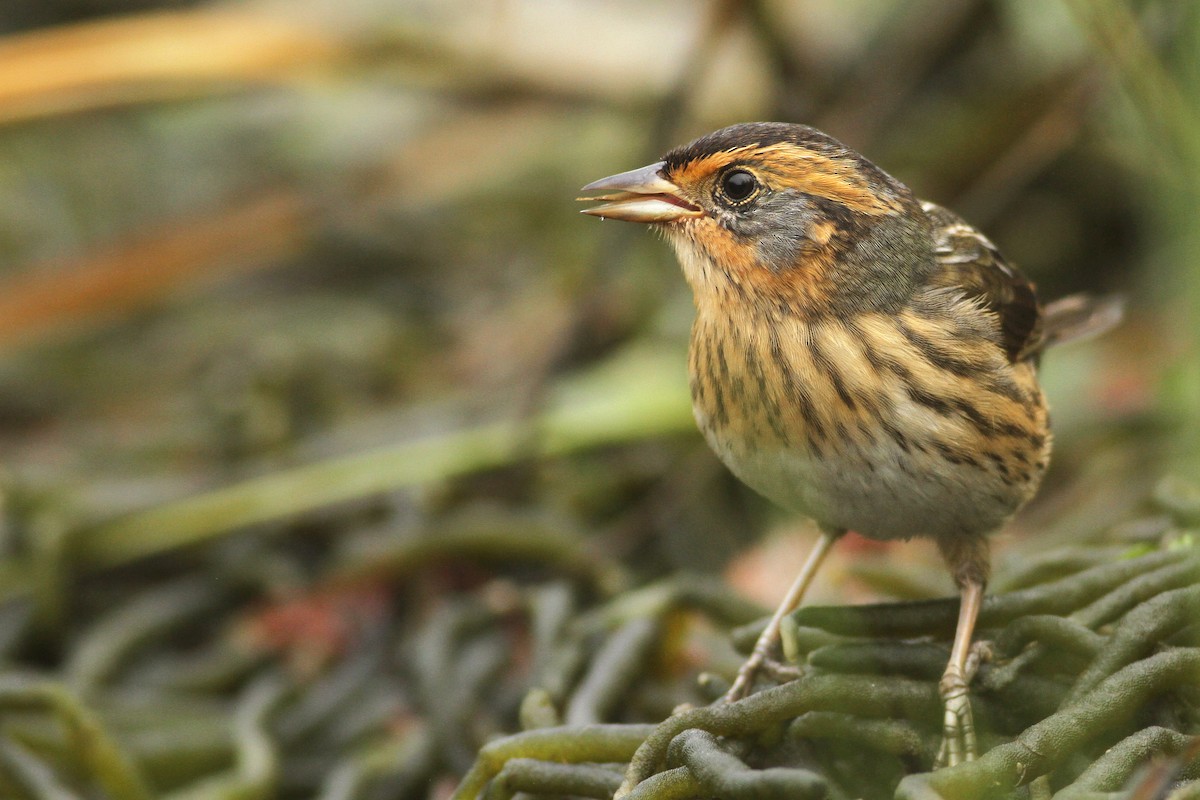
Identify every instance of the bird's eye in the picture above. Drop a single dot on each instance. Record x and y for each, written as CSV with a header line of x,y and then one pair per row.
x,y
738,186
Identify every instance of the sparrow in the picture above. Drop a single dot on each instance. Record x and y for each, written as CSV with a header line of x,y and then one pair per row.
x,y
858,356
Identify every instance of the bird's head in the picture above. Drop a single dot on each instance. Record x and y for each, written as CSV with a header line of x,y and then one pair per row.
x,y
775,212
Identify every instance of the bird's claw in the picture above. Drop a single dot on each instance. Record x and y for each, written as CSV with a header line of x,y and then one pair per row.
x,y
744,680
958,723
781,672
980,653
758,663
959,742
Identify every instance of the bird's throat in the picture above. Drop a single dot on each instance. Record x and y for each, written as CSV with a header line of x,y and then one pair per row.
x,y
725,274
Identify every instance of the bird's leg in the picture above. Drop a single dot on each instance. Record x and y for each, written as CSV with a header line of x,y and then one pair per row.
x,y
769,638
958,724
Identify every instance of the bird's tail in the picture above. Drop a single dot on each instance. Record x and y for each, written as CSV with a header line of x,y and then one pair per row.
x,y
1081,316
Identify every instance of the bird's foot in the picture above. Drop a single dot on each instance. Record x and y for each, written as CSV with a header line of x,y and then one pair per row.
x,y
981,652
958,724
781,672
959,742
759,663
744,682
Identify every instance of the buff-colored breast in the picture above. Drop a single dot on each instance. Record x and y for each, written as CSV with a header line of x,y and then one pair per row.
x,y
890,425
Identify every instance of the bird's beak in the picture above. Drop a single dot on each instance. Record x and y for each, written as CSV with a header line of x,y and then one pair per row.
x,y
640,195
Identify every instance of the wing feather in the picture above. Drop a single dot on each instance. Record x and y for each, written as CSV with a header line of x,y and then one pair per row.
x,y
969,262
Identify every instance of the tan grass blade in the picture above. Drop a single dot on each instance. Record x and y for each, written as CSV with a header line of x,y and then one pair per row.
x,y
139,271
151,57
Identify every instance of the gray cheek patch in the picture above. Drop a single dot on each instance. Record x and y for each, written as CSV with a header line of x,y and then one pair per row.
x,y
779,225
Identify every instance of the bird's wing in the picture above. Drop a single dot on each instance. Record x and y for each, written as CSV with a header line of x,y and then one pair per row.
x,y
969,262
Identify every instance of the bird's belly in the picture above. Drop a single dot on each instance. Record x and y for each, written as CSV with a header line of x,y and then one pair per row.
x,y
862,432
878,488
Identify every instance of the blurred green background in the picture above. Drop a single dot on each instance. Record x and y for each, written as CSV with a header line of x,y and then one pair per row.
x,y
307,358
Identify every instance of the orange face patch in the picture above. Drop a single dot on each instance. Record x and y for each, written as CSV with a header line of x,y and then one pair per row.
x,y
742,278
696,172
788,165
835,179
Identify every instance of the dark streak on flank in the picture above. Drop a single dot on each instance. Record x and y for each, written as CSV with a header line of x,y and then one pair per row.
x,y
931,401
899,438
936,356
825,363
814,433
839,428
956,456
994,382
987,426
769,402
878,360
1005,387
719,372
1001,464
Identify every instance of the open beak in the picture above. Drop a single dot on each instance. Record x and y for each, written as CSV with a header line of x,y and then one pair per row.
x,y
640,195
